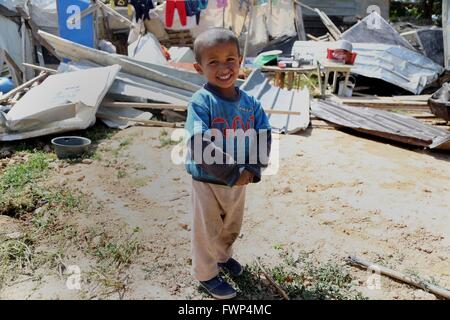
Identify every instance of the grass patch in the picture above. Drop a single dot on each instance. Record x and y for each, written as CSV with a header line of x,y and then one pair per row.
x,y
18,257
121,174
122,145
118,253
25,194
19,191
125,143
300,277
58,201
113,256
165,139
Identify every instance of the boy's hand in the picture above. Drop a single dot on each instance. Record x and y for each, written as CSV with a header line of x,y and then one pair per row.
x,y
245,178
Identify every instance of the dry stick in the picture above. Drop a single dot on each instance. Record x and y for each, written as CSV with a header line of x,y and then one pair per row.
x,y
314,38
32,66
23,86
176,107
272,282
115,14
401,277
9,60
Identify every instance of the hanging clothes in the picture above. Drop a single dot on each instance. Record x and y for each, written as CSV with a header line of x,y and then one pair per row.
x,y
142,8
195,7
222,4
281,20
171,5
245,5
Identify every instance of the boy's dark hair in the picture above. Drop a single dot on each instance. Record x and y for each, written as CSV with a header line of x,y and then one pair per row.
x,y
212,37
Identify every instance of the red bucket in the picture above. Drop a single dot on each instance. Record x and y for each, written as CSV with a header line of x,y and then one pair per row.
x,y
342,57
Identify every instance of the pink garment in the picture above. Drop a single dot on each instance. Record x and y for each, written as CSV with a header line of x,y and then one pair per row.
x,y
222,3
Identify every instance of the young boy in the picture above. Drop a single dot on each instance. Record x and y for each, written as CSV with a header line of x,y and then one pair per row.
x,y
220,115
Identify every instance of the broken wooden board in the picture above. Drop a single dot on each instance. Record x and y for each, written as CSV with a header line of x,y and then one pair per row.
x,y
380,123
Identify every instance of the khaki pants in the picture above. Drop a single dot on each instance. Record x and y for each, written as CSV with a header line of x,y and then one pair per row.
x,y
217,219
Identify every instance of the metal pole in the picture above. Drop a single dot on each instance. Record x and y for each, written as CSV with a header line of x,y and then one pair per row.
x,y
250,24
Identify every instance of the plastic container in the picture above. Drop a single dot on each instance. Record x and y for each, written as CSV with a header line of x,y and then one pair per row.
x,y
341,57
70,146
6,85
345,91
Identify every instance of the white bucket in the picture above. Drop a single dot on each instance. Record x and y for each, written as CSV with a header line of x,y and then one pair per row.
x,y
346,91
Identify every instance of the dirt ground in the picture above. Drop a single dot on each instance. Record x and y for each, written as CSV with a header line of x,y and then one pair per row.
x,y
335,195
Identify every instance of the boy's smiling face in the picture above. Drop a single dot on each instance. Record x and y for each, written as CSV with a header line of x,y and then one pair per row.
x,y
220,65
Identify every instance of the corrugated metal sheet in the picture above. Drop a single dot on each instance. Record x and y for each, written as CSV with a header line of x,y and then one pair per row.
x,y
381,123
127,85
274,98
365,32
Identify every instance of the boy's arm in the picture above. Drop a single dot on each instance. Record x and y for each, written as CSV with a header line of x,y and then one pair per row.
x,y
264,133
198,124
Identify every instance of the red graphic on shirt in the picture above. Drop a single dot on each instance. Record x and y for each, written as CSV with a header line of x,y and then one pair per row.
x,y
238,123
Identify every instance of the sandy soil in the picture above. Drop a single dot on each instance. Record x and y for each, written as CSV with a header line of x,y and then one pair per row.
x,y
335,195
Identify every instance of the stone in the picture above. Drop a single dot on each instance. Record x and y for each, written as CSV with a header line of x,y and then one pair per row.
x,y
185,226
5,152
87,161
14,235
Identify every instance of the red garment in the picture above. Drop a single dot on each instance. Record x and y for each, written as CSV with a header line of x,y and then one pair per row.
x,y
170,12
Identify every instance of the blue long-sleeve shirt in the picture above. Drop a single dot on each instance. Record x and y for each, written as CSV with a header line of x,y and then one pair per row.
x,y
209,114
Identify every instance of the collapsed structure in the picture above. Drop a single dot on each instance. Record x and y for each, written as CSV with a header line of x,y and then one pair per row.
x,y
85,83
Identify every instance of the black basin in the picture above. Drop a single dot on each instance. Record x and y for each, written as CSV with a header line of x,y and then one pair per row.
x,y
70,146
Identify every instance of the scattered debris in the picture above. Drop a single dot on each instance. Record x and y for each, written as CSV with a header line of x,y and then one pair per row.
x,y
428,41
63,102
440,102
381,123
397,65
374,29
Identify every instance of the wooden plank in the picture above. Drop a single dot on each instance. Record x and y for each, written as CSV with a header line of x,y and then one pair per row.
x,y
40,68
334,31
383,101
14,70
151,123
310,36
423,97
115,14
9,60
174,107
27,84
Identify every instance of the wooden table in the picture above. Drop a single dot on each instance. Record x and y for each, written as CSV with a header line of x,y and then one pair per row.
x,y
335,68
284,77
